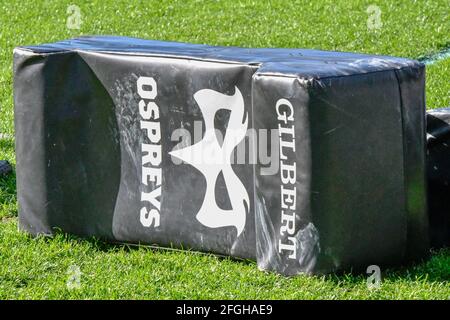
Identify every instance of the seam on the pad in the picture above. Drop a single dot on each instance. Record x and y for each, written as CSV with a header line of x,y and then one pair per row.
x,y
404,147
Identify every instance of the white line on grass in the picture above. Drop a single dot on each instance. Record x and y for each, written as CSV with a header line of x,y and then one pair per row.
x,y
436,57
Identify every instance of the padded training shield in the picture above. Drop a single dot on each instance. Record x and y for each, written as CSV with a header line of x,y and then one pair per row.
x,y
438,174
167,144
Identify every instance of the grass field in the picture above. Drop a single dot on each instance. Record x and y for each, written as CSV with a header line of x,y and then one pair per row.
x,y
38,268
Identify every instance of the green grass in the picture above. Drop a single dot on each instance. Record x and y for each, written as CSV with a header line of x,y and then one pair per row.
x,y
438,84
37,268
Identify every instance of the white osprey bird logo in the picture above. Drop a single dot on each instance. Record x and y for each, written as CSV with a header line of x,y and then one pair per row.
x,y
210,158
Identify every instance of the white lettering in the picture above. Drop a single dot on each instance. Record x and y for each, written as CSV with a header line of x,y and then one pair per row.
x,y
288,176
151,153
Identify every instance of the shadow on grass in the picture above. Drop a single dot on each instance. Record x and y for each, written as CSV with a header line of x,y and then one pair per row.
x,y
434,269
8,195
106,246
8,188
7,145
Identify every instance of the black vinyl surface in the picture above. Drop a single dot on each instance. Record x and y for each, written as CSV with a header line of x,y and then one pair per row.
x,y
102,150
438,174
